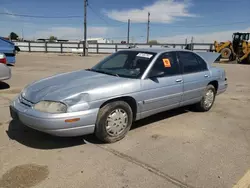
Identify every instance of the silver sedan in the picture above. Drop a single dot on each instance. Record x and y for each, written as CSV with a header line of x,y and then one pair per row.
x,y
126,86
5,71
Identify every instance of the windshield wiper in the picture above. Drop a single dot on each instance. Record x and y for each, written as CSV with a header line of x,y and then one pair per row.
x,y
103,72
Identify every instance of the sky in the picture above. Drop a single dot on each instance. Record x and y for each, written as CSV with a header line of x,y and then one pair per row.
x,y
171,21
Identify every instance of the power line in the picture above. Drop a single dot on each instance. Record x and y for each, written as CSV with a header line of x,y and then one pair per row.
x,y
206,25
99,16
36,16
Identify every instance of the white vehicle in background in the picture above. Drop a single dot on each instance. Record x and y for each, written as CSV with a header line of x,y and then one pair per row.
x,y
5,71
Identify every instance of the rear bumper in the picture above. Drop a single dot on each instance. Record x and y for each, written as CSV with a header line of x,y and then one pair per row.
x,y
55,124
222,87
11,60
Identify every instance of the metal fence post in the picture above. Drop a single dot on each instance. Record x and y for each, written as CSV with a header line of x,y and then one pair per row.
x,y
97,48
46,47
211,47
116,47
61,45
29,47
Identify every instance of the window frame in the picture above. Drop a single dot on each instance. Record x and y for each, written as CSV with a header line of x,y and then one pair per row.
x,y
182,65
160,56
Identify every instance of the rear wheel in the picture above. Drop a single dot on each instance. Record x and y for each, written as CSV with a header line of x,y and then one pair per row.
x,y
226,53
207,100
114,121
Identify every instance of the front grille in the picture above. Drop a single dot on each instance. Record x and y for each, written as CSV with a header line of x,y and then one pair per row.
x,y
25,102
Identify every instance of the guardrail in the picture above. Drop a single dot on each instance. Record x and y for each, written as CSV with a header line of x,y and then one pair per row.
x,y
66,47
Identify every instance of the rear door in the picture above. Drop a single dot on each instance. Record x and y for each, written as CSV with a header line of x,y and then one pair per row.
x,y
195,76
163,92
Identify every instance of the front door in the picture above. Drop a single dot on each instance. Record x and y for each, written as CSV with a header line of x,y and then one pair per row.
x,y
163,92
195,76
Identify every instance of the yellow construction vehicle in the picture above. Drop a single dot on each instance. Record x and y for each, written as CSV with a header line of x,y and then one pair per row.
x,y
238,49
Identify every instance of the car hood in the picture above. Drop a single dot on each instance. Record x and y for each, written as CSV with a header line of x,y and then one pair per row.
x,y
62,86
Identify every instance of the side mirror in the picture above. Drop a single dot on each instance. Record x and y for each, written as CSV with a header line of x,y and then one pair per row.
x,y
154,74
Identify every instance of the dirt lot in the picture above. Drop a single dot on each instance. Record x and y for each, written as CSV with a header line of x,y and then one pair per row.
x,y
179,148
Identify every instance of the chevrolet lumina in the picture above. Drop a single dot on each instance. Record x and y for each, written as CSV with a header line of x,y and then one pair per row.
x,y
124,87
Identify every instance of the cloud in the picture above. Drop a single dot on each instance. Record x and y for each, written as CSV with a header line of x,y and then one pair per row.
x,y
71,32
161,11
200,38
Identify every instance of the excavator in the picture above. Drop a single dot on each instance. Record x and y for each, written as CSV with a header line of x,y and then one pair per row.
x,y
238,49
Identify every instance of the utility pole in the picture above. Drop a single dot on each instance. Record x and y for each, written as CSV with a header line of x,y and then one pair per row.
x,y
22,34
148,27
85,27
128,31
192,43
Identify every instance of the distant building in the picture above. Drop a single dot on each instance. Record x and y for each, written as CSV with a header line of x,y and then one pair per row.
x,y
97,40
90,40
47,40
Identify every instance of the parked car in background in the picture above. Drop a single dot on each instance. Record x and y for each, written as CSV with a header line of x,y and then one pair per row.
x,y
5,71
9,49
126,86
3,58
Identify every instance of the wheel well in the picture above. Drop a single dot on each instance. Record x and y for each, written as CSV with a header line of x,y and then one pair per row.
x,y
130,100
215,84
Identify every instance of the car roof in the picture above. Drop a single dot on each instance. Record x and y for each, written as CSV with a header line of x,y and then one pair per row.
x,y
157,50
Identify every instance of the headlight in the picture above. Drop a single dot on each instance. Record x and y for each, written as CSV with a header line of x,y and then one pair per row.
x,y
51,107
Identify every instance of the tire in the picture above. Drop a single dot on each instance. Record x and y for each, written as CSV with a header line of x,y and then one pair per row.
x,y
110,132
204,106
226,53
248,59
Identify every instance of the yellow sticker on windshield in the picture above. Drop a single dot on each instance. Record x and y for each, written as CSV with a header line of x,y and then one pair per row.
x,y
166,62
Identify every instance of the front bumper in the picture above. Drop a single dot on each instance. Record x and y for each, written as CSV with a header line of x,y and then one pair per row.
x,y
54,124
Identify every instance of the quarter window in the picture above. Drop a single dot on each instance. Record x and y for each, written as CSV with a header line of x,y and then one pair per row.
x,y
191,63
202,63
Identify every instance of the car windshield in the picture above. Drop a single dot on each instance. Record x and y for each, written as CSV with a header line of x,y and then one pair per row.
x,y
130,64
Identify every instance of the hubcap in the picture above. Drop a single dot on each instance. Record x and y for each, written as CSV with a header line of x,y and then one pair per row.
x,y
209,98
117,122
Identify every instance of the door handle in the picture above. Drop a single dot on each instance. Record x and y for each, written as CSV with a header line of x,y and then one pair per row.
x,y
206,76
179,80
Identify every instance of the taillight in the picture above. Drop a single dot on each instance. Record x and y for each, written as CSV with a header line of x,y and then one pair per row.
x,y
3,59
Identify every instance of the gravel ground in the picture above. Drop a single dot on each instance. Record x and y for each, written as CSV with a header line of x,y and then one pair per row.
x,y
178,148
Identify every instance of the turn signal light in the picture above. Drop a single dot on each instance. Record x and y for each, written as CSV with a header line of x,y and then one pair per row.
x,y
72,120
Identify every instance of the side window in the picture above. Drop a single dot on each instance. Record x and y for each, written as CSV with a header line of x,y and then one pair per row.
x,y
167,63
189,62
203,64
117,61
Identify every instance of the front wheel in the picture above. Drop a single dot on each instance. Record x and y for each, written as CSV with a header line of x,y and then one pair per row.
x,y
114,121
226,53
207,100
